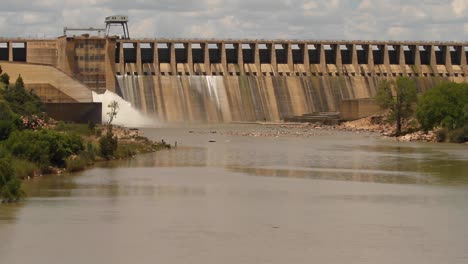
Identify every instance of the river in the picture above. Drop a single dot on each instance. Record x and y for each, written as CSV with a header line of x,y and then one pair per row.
x,y
330,197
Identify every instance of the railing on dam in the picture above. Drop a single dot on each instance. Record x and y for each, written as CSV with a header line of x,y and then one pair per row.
x,y
240,57
280,57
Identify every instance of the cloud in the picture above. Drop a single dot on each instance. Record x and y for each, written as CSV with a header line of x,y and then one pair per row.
x,y
295,19
459,6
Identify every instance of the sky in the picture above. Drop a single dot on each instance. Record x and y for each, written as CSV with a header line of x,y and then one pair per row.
x,y
438,20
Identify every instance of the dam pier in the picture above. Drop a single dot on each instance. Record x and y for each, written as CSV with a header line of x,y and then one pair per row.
x,y
180,80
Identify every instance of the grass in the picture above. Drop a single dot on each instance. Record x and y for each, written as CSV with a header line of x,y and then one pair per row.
x,y
80,129
77,163
24,168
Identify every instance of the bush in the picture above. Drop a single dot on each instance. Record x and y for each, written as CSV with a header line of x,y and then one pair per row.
x,y
24,168
441,135
9,121
108,145
6,127
5,78
21,101
444,105
10,186
91,151
45,147
77,163
458,135
125,151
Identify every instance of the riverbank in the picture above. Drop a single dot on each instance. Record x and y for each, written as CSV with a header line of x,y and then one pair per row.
x,y
55,148
375,125
130,142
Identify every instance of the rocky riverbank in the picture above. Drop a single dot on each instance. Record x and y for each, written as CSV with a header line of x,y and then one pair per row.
x,y
378,124
373,125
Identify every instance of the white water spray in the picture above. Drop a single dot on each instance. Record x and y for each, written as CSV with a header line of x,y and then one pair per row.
x,y
127,115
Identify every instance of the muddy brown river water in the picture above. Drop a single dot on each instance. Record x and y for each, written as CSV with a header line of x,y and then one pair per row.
x,y
334,197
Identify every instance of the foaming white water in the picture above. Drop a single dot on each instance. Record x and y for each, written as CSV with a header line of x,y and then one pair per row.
x,y
127,115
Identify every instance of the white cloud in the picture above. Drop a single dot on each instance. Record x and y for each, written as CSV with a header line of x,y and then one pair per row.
x,y
296,19
459,6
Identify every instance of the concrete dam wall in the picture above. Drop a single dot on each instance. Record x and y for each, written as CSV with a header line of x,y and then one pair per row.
x,y
240,80
226,81
245,98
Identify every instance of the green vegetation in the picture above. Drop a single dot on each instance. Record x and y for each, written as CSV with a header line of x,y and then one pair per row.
x,y
30,146
398,97
15,103
10,185
44,147
78,163
443,108
108,143
22,102
446,107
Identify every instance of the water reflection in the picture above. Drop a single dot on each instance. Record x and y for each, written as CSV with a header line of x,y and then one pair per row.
x,y
387,163
250,200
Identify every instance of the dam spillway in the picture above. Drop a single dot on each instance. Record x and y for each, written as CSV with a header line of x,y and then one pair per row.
x,y
225,81
240,80
244,98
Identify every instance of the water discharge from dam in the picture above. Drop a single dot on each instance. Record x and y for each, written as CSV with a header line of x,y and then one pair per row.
x,y
127,115
220,99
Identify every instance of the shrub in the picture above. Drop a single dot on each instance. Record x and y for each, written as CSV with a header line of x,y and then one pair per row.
x,y
77,163
45,147
92,127
125,151
6,127
441,135
24,168
9,121
457,135
91,151
108,145
21,101
5,78
10,186
444,105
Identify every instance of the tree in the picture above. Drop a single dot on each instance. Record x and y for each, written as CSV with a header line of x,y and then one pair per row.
x,y
397,96
445,105
113,110
19,82
9,121
22,102
5,78
108,143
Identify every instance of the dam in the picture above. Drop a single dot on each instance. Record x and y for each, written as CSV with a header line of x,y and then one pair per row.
x,y
216,80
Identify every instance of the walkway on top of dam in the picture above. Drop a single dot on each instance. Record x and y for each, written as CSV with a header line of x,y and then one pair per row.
x,y
294,41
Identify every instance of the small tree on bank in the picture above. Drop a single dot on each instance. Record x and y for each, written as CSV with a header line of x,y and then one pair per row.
x,y
109,143
113,110
397,96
